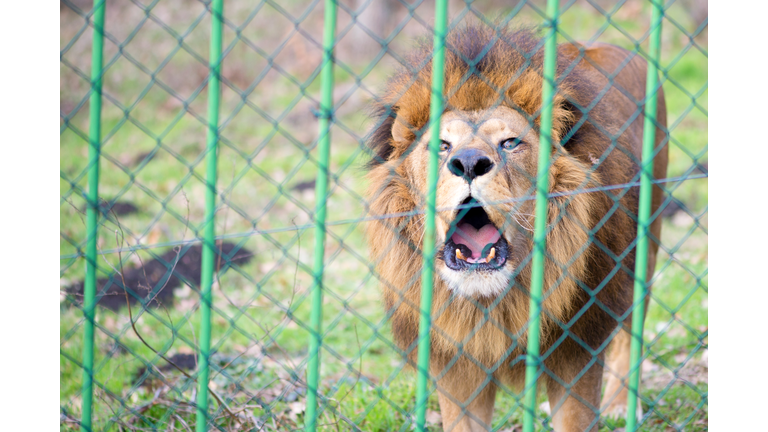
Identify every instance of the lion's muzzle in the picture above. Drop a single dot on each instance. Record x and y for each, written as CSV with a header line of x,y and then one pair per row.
x,y
470,163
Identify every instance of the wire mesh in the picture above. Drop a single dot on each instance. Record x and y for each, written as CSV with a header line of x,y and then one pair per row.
x,y
151,216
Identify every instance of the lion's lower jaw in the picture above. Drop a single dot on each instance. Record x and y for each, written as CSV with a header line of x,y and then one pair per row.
x,y
476,283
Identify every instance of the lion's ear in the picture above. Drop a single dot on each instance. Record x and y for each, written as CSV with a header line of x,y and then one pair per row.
x,y
401,131
394,131
380,140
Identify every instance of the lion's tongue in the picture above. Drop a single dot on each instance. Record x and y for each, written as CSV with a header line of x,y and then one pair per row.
x,y
475,239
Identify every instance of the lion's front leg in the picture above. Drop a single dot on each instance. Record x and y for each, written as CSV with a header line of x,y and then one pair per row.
x,y
616,394
575,409
466,397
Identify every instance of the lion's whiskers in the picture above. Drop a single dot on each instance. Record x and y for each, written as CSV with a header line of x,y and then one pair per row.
x,y
421,221
523,222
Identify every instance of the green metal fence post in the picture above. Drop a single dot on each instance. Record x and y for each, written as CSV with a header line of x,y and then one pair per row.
x,y
321,192
643,215
532,360
207,260
92,215
428,248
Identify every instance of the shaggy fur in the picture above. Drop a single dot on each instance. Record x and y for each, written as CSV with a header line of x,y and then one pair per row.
x,y
589,251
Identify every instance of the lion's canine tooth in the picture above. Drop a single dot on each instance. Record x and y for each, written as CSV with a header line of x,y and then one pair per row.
x,y
459,255
491,255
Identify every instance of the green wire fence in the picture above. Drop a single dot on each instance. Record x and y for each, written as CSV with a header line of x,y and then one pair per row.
x,y
201,302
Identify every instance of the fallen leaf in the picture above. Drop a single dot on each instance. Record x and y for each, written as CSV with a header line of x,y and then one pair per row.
x,y
544,407
434,417
296,408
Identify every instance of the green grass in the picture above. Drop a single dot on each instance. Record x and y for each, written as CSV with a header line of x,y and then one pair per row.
x,y
156,165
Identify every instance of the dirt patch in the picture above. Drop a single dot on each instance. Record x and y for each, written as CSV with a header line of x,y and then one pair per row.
x,y
120,208
165,273
138,159
304,186
182,360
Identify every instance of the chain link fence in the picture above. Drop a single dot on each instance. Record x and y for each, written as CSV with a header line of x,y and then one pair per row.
x,y
202,297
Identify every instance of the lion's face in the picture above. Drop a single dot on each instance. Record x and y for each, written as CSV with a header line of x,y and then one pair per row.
x,y
487,164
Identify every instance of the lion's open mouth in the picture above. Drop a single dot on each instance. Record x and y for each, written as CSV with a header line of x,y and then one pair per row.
x,y
473,242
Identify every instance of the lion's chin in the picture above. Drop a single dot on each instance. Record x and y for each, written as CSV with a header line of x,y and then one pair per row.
x,y
476,283
475,253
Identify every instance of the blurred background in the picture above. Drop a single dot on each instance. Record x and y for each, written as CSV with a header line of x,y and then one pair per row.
x,y
152,187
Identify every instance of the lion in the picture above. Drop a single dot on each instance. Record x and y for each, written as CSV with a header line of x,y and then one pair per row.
x,y
488,163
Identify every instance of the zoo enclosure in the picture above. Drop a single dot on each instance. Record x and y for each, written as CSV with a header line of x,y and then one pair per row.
x,y
214,261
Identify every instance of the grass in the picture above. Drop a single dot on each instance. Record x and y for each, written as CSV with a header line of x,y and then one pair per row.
x,y
153,159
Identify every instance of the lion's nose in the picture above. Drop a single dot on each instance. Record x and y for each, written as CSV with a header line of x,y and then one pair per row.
x,y
470,164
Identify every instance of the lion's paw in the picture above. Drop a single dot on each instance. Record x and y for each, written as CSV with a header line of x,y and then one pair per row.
x,y
618,409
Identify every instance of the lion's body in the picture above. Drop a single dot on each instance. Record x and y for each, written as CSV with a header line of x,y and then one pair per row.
x,y
490,329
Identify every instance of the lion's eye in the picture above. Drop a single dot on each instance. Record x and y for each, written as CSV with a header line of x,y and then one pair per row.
x,y
444,145
509,143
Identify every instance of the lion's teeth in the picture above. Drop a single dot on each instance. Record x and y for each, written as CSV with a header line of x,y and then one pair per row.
x,y
459,255
491,255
